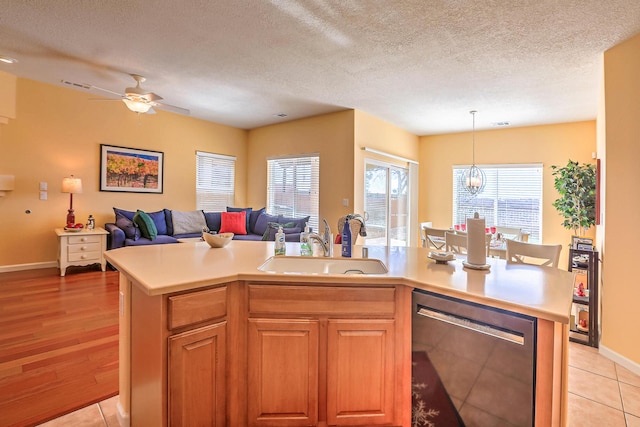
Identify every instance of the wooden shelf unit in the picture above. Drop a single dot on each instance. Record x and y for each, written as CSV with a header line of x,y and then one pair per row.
x,y
585,265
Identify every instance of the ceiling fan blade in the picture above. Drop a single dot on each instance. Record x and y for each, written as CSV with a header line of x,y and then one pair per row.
x,y
172,108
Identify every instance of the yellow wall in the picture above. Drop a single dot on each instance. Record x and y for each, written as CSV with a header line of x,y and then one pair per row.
x,y
58,132
330,135
375,133
622,205
549,145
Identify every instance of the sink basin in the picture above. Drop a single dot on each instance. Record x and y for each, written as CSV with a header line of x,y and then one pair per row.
x,y
304,265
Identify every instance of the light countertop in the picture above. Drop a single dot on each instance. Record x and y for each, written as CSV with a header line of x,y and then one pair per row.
x,y
541,292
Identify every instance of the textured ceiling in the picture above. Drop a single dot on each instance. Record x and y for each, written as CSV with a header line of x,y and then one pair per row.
x,y
421,65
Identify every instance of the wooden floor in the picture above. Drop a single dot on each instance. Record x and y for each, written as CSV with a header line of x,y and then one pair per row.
x,y
58,342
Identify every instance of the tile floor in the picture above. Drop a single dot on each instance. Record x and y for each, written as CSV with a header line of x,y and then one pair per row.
x,y
601,393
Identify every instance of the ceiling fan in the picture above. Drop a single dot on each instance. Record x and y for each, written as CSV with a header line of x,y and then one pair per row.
x,y
136,98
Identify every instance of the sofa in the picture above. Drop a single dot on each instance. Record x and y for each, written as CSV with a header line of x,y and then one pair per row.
x,y
139,228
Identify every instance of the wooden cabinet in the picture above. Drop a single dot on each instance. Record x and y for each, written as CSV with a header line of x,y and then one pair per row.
x,y
197,381
283,372
360,375
334,363
584,312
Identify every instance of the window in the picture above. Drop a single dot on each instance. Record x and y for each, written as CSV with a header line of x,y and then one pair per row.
x,y
293,187
215,181
511,198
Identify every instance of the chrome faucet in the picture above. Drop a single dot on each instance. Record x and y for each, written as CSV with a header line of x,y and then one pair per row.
x,y
326,241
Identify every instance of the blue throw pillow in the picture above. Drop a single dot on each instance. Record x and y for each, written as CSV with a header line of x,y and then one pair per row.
x,y
252,220
247,215
262,223
159,221
126,214
127,225
213,220
300,222
146,224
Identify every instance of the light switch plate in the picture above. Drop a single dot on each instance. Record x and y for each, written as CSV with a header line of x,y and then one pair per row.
x,y
43,186
43,195
345,202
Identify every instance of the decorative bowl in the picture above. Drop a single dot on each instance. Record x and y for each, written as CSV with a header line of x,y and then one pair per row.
x,y
217,240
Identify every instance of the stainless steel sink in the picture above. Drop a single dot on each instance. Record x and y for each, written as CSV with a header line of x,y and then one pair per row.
x,y
308,265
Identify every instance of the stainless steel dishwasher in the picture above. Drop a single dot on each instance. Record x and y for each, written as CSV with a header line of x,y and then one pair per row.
x,y
473,365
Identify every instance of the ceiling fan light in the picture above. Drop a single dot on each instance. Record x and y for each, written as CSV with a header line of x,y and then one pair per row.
x,y
137,106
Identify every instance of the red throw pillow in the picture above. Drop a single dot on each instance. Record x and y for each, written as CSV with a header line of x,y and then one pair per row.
x,y
233,222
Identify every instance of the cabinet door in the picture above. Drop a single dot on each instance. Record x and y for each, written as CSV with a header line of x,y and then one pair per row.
x,y
282,372
360,372
197,384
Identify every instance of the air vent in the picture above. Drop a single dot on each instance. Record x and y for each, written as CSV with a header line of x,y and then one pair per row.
x,y
500,124
82,86
280,115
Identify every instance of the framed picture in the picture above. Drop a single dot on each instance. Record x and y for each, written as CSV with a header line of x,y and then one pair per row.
x,y
131,170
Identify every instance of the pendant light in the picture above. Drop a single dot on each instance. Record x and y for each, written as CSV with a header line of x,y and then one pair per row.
x,y
474,178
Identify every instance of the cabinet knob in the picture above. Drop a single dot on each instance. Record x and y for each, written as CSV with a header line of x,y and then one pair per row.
x,y
83,239
83,248
83,257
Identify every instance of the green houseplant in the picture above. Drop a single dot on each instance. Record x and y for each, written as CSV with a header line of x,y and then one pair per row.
x,y
576,184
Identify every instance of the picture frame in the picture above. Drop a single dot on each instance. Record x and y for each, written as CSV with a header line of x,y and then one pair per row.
x,y
131,170
582,243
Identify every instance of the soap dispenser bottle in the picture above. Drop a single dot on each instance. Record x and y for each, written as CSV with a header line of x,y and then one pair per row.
x,y
305,247
280,246
346,240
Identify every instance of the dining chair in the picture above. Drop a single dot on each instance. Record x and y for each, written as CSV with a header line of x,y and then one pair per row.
x,y
434,238
455,243
423,237
488,238
510,233
531,253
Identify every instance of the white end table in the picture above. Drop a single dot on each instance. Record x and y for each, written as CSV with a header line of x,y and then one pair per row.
x,y
84,247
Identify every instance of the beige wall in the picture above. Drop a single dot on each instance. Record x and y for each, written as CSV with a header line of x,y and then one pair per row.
x,y
619,273
549,145
330,135
58,132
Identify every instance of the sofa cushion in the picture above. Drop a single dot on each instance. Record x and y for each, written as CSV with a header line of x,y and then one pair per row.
x,y
262,223
272,229
300,222
233,222
188,222
146,225
143,241
159,221
126,214
169,220
247,218
213,220
252,220
127,225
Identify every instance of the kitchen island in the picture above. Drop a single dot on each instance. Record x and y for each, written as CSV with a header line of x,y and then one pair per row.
x,y
205,335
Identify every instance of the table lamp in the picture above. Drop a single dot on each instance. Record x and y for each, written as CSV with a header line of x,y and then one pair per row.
x,y
71,185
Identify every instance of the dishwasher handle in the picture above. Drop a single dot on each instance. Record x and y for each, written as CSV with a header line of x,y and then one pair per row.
x,y
473,325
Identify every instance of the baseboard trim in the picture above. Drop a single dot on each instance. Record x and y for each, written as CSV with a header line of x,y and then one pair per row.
x,y
31,266
123,417
620,359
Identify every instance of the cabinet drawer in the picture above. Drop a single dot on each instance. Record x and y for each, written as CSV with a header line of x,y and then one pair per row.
x,y
86,247
77,240
196,307
84,256
319,300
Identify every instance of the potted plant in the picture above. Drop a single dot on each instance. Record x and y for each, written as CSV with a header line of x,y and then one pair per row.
x,y
576,184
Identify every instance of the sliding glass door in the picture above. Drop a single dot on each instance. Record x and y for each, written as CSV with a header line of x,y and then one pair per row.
x,y
386,204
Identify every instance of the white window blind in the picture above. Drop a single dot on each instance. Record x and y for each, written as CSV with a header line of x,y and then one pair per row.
x,y
215,181
512,197
293,187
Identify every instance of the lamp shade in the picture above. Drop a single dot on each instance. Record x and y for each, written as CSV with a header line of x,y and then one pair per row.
x,y
72,185
137,106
